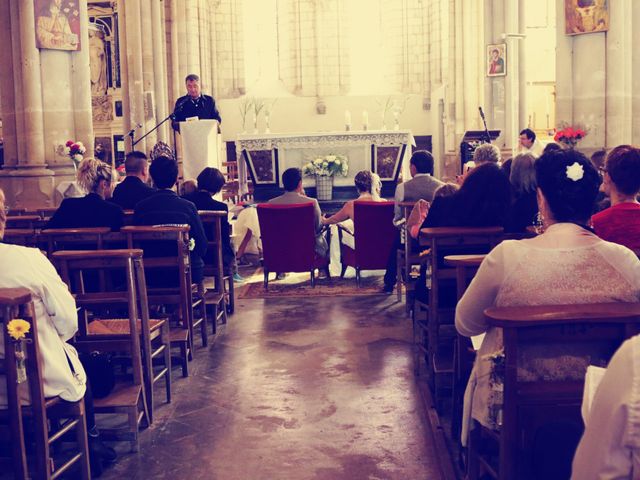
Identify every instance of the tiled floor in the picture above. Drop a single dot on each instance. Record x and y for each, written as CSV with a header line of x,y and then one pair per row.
x,y
295,388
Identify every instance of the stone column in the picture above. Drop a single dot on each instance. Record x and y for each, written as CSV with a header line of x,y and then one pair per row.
x,y
159,70
134,69
7,82
124,75
148,76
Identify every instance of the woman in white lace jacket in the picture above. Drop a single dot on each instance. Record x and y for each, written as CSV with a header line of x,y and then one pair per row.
x,y
610,446
567,264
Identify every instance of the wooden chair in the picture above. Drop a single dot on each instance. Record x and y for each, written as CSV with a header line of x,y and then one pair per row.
x,y
373,236
288,240
167,255
405,259
154,333
74,238
130,335
463,354
432,322
532,406
17,303
27,237
213,267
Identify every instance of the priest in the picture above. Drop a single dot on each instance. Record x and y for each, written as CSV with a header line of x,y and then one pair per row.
x,y
194,104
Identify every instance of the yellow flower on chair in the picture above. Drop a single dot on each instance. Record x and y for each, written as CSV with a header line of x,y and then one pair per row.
x,y
18,328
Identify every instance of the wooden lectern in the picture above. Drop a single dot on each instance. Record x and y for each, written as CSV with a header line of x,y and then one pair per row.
x,y
201,147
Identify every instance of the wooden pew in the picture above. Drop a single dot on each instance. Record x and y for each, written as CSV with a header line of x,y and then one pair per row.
x,y
432,323
405,259
529,406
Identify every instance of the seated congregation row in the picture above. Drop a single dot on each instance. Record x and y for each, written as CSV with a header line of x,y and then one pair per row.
x,y
574,261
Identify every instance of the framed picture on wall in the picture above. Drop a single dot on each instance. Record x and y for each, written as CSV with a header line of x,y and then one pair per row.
x,y
497,60
586,16
57,24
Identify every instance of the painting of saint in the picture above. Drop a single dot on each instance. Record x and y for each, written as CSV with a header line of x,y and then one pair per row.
x,y
57,24
496,64
586,16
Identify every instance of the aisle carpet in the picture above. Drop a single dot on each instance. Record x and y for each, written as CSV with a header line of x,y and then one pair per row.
x,y
299,285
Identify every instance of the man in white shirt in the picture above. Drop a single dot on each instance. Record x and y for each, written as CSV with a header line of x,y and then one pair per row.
x,y
530,144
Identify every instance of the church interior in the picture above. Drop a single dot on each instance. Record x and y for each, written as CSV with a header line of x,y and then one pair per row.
x,y
320,239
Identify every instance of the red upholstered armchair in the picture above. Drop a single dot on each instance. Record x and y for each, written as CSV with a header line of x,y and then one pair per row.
x,y
288,240
373,234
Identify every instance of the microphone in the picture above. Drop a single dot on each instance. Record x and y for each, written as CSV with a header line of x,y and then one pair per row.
x,y
481,112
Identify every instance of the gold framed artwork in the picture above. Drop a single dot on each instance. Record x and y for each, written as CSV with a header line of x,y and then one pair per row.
x,y
57,24
586,16
497,60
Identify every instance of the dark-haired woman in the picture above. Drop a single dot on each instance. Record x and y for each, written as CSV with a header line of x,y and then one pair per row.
x,y
620,223
567,264
210,182
524,205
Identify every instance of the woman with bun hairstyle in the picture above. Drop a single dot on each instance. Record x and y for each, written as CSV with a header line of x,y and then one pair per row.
x,y
567,264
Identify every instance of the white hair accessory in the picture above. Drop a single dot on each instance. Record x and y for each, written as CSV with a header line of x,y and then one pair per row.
x,y
575,172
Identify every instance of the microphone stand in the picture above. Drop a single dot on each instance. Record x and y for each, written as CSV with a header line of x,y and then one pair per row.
x,y
149,132
486,130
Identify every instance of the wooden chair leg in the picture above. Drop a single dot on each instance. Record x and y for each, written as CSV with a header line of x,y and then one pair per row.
x,y
167,360
343,271
357,277
266,279
81,438
185,360
232,300
313,278
133,427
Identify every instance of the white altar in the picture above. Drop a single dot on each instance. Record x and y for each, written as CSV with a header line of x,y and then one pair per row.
x,y
263,158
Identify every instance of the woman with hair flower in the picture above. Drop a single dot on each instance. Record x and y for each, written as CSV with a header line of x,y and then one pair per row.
x,y
567,264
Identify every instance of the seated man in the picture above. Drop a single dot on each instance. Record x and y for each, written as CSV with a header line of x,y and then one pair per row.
x,y
620,223
134,187
165,207
422,186
210,182
294,194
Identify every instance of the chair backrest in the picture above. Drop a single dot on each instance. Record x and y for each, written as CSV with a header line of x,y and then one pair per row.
x,y
17,303
104,304
374,233
27,237
212,223
74,238
533,402
23,221
288,237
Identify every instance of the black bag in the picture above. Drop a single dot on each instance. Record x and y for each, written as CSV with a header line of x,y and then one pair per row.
x,y
101,373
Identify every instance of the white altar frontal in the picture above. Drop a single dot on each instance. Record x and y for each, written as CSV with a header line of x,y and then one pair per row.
x,y
263,158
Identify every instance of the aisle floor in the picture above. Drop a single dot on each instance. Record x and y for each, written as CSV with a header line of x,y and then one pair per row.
x,y
294,388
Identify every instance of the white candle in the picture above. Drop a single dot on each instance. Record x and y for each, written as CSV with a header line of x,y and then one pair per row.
x,y
365,119
347,117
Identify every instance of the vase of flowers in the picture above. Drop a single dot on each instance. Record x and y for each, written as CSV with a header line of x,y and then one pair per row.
x,y
324,168
75,151
570,136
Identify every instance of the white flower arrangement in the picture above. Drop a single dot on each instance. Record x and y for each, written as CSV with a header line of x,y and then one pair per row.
x,y
575,172
192,244
326,166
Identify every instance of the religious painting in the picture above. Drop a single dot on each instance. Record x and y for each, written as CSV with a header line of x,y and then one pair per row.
x,y
497,60
263,166
586,16
57,24
387,161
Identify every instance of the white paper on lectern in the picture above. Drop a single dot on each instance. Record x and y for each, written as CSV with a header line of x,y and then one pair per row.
x,y
200,147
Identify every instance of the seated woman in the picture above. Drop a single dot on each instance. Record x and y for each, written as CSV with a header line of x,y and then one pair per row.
x,y
57,322
524,206
368,186
92,210
210,182
481,201
620,223
610,445
567,264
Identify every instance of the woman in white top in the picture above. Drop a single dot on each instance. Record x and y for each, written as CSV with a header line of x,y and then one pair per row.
x,y
57,322
610,446
567,264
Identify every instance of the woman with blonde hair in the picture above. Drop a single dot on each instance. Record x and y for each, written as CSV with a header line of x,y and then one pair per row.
x,y
92,210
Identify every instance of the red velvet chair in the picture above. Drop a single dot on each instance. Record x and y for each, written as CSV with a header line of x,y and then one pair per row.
x,y
374,235
288,240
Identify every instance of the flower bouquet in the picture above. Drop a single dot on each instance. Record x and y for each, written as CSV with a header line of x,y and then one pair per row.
x,y
324,168
18,330
569,136
75,151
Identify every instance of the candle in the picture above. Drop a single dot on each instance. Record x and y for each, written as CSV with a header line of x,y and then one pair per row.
x,y
365,119
347,117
